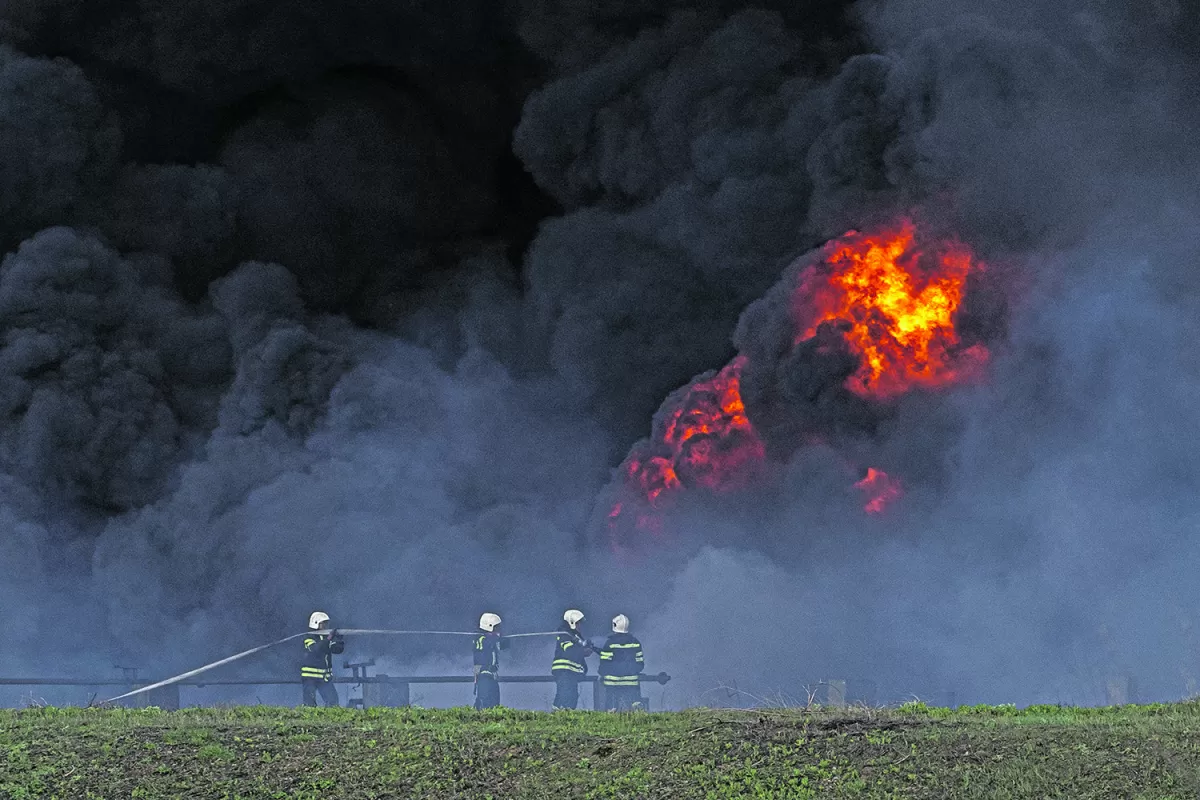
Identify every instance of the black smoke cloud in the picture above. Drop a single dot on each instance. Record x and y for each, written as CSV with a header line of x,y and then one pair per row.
x,y
680,155
103,369
1016,557
356,307
60,145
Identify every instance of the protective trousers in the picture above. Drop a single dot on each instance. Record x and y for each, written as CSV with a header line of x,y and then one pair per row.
x,y
314,686
487,691
622,698
566,692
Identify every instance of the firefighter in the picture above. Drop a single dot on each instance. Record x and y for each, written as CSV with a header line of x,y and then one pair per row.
x,y
621,661
316,671
487,662
569,666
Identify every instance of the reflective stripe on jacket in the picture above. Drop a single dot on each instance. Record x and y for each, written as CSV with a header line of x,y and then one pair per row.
x,y
621,660
318,656
569,653
487,653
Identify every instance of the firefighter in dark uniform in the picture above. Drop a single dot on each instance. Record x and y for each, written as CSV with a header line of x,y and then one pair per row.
x,y
569,666
621,661
487,662
316,671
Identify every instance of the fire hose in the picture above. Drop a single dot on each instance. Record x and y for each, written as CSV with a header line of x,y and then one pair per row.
x,y
347,632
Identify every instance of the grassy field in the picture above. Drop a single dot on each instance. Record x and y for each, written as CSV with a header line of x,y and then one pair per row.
x,y
1128,752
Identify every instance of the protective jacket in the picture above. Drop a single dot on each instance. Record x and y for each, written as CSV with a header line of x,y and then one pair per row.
x,y
487,653
570,650
319,650
621,660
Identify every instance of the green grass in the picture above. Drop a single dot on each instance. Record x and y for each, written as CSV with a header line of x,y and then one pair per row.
x,y
914,752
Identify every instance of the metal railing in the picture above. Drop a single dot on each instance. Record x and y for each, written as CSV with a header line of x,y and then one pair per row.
x,y
378,690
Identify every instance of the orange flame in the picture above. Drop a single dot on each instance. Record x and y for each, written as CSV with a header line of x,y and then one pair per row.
x,y
893,303
709,435
897,302
706,441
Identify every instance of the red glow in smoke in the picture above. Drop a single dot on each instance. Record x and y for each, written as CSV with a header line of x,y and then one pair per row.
x,y
880,489
710,437
892,300
707,442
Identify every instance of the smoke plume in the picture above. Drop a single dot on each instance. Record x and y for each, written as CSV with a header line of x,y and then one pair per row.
x,y
368,308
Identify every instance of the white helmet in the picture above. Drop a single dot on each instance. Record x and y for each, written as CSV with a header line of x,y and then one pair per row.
x,y
573,617
317,617
488,622
620,624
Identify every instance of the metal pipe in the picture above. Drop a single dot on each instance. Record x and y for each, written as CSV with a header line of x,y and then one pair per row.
x,y
320,632
661,678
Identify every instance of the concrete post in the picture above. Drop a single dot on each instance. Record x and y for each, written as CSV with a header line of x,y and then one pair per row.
x,y
390,694
1121,690
598,697
835,693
